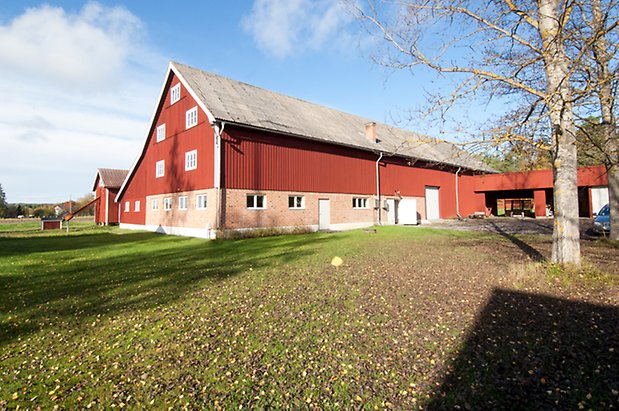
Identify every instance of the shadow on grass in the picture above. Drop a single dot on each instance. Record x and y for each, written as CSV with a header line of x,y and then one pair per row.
x,y
107,273
529,351
534,254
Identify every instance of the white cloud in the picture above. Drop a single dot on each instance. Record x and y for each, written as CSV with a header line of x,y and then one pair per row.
x,y
285,27
87,48
78,91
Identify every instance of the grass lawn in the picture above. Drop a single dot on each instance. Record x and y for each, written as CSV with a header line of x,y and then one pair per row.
x,y
414,318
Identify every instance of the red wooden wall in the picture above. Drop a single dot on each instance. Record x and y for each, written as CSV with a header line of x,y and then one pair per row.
x,y
257,160
177,142
531,180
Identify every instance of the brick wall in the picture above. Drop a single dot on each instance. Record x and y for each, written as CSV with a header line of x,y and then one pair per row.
x,y
190,218
277,213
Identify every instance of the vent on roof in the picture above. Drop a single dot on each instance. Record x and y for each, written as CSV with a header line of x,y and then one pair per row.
x,y
370,131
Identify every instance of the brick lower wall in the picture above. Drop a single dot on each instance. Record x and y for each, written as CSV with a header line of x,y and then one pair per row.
x,y
278,214
237,216
190,218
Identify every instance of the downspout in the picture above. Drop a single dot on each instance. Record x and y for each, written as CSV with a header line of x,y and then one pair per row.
x,y
218,134
458,195
378,188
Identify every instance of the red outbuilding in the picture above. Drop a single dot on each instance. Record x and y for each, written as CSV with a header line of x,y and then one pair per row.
x,y
106,185
530,193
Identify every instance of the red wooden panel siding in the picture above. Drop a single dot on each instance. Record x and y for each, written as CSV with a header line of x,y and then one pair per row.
x,y
261,161
172,150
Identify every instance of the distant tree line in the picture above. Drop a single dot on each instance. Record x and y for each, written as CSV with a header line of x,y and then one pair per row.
x,y
40,210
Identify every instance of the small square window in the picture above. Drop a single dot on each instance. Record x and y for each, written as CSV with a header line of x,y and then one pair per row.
x,y
182,203
127,206
160,169
154,203
256,202
201,201
161,133
359,202
191,160
297,202
136,206
191,117
167,203
175,93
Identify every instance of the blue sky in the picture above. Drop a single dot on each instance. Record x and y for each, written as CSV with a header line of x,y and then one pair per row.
x,y
80,80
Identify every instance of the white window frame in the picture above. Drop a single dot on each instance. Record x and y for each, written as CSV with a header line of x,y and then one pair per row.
x,y
127,206
160,169
154,204
191,118
191,165
136,206
160,132
360,203
201,201
182,203
175,93
255,201
294,205
167,203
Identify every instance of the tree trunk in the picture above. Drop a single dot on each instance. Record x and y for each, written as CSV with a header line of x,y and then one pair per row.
x,y
613,196
610,137
566,232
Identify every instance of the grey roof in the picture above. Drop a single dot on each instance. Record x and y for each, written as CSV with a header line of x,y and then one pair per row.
x,y
236,102
111,177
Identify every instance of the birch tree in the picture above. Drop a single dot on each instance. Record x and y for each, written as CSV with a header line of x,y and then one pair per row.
x,y
497,48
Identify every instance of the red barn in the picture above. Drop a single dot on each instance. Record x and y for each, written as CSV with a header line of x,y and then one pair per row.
x,y
106,186
225,155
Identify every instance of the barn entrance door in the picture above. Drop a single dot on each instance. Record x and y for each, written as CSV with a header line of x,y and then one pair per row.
x,y
324,214
392,211
432,205
599,198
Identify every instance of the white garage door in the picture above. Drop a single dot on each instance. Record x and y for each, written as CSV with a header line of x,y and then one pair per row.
x,y
599,198
432,205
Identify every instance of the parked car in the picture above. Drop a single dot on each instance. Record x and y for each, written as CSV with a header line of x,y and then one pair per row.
x,y
601,223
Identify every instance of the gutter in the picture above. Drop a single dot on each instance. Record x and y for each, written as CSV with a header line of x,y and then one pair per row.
x,y
378,188
458,195
218,134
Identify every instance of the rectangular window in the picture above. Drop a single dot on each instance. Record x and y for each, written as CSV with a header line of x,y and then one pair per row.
x,y
359,202
256,201
191,160
201,201
191,117
175,93
127,206
296,202
160,169
154,204
182,203
161,133
136,206
167,203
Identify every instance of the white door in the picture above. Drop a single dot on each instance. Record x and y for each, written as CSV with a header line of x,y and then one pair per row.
x,y
324,215
391,211
432,203
407,211
599,198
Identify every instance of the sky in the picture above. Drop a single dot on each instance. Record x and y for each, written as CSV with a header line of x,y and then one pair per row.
x,y
79,81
